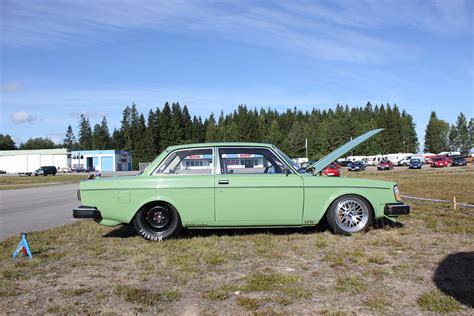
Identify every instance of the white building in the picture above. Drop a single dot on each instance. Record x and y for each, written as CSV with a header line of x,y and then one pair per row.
x,y
101,160
14,161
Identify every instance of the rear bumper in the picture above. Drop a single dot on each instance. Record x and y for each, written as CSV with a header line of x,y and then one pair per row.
x,y
396,209
86,212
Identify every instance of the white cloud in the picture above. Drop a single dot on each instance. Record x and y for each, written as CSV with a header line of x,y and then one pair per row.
x,y
13,86
23,117
330,31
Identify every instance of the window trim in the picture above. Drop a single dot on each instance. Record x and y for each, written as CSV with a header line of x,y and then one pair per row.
x,y
154,173
218,160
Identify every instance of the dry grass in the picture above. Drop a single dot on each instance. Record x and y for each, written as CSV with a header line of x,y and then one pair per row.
x,y
17,182
428,182
86,268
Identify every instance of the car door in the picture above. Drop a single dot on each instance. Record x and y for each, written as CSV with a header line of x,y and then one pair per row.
x,y
185,179
252,188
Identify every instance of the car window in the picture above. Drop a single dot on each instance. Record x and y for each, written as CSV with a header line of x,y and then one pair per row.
x,y
188,162
249,161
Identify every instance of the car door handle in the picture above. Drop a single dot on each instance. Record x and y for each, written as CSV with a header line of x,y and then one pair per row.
x,y
223,181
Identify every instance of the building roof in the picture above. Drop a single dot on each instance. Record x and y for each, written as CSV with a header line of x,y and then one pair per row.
x,y
18,152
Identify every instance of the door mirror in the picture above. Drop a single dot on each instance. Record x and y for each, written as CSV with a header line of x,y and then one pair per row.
x,y
287,171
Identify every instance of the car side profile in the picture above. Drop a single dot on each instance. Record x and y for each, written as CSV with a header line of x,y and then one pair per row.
x,y
45,170
228,185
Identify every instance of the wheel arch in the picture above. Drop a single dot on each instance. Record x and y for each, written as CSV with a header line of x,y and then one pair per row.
x,y
154,202
334,199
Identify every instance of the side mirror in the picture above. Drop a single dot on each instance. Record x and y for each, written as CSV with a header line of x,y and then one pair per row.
x,y
287,171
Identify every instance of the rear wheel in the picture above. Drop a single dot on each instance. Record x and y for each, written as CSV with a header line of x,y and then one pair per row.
x,y
349,214
157,222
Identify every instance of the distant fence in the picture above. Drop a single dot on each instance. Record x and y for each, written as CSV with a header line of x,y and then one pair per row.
x,y
455,204
142,165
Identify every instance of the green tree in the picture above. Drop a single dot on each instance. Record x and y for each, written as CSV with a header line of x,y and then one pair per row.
x,y
295,140
85,133
164,124
6,142
211,129
70,140
453,138
436,135
38,143
463,137
101,135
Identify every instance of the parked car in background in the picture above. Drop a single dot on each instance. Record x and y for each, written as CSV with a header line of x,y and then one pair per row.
x,y
458,161
64,170
237,185
333,170
3,172
385,165
440,162
356,166
45,170
415,163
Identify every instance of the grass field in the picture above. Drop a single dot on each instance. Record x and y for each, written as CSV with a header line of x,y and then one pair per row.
x,y
17,182
424,266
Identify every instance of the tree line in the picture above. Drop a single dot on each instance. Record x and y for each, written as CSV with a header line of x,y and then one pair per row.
x,y
325,130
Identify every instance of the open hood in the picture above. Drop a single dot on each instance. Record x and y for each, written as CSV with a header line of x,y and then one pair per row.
x,y
322,163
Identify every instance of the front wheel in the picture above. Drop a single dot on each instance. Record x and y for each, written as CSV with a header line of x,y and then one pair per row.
x,y
349,214
157,222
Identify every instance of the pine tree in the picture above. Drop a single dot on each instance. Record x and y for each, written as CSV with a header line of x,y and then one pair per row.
x,y
187,126
85,133
211,129
70,140
177,126
453,138
463,138
436,135
101,136
164,124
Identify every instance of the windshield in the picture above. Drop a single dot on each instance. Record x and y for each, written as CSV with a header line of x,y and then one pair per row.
x,y
289,161
415,160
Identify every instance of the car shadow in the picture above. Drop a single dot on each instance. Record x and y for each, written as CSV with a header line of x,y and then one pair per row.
x,y
127,231
455,277
124,231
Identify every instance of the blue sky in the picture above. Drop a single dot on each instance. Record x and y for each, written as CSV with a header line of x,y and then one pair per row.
x,y
63,58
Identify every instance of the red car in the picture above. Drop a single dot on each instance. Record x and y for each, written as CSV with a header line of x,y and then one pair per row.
x,y
332,170
440,162
385,165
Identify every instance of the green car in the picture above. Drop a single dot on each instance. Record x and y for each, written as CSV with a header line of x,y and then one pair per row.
x,y
228,185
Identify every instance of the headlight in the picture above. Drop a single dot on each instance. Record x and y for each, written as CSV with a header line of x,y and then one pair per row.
x,y
396,193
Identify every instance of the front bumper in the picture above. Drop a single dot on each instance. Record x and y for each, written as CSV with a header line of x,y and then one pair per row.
x,y
396,209
86,212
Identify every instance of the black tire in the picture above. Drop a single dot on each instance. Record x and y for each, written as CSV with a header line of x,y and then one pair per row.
x,y
347,210
157,222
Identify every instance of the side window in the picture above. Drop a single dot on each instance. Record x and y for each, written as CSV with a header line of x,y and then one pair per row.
x,y
249,161
188,162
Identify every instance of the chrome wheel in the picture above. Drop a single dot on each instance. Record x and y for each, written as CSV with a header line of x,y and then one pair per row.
x,y
351,215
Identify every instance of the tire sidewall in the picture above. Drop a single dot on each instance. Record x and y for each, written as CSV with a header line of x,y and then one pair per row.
x,y
332,215
144,230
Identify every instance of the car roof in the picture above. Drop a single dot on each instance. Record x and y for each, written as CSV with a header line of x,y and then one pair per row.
x,y
219,144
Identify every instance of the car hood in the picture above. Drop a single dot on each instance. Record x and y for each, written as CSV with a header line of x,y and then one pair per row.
x,y
322,163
